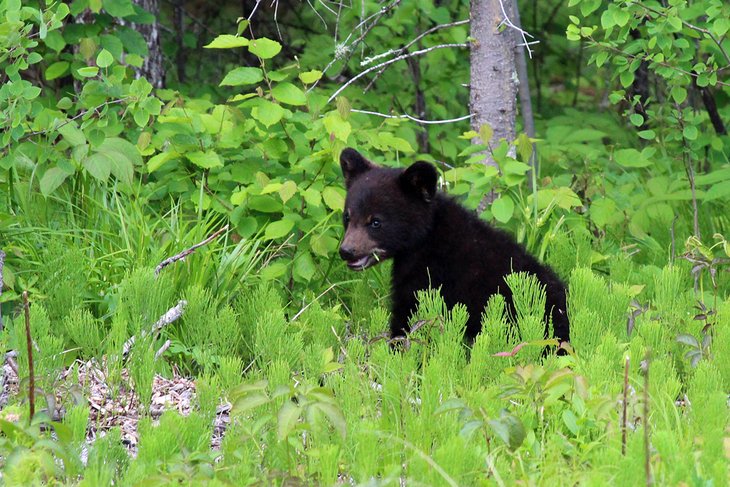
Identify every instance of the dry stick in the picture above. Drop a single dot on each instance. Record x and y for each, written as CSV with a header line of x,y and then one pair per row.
x,y
647,462
31,371
170,316
625,407
2,264
187,252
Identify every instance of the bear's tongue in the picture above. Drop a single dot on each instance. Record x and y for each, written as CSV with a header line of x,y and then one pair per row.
x,y
359,263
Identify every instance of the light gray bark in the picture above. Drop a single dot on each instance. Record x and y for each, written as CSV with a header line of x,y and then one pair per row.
x,y
493,93
152,69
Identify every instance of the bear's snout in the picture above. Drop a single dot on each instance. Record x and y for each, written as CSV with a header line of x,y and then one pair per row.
x,y
347,252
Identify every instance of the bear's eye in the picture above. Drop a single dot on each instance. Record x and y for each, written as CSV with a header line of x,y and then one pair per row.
x,y
375,223
346,218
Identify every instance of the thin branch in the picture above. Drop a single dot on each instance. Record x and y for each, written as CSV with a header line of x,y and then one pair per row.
x,y
187,252
163,349
2,264
343,51
75,117
391,61
524,34
170,316
31,368
417,120
702,30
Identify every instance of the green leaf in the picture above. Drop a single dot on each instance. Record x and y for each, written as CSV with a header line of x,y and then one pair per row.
x,y
56,70
52,179
647,134
118,8
304,267
626,78
310,77
273,271
264,48
72,134
630,158
719,190
335,125
104,59
289,94
510,429
503,209
158,160
287,419
88,71
268,113
242,76
679,94
636,119
249,401
287,190
99,166
120,155
690,132
227,41
206,160
278,229
333,198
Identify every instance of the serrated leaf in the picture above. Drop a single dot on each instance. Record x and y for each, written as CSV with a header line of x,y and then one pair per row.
x,y
690,132
337,126
99,166
118,8
485,133
158,160
52,179
278,229
647,134
264,48
207,160
227,41
636,119
242,76
289,94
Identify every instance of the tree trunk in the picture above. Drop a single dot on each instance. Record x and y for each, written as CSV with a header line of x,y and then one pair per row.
x,y
493,94
152,69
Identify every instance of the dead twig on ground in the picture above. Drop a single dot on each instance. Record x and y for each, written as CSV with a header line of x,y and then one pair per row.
x,y
170,316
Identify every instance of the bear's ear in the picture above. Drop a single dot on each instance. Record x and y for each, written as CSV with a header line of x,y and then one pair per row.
x,y
353,164
421,177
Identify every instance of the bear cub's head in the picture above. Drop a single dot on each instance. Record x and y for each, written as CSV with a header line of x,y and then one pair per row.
x,y
387,211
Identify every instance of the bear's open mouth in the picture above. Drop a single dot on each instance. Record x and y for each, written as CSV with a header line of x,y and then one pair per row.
x,y
362,263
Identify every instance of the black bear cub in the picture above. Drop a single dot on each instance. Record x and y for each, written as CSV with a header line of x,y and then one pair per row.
x,y
434,242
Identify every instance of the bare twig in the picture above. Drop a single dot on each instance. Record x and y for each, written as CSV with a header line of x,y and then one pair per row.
x,y
75,117
718,42
647,457
299,313
170,316
625,407
524,34
409,117
2,264
391,61
187,252
162,349
31,369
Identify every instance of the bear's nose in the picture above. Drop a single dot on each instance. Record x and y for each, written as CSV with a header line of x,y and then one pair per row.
x,y
347,252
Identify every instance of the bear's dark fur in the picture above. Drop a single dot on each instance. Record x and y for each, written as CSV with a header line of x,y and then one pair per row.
x,y
434,242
